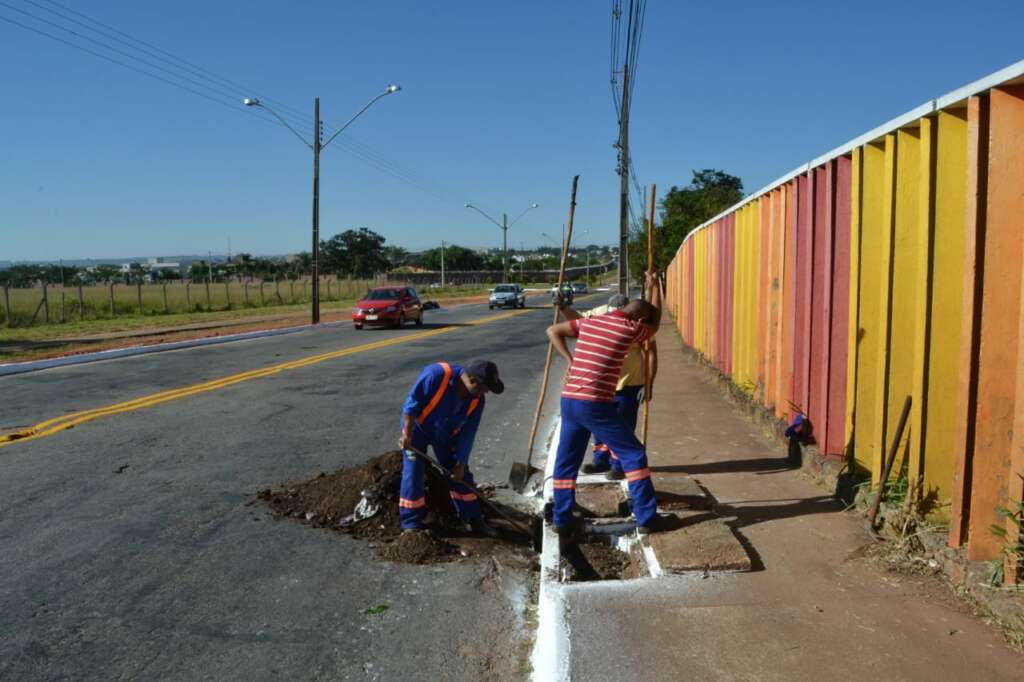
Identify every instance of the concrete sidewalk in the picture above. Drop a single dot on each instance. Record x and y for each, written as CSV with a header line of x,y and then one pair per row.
x,y
811,608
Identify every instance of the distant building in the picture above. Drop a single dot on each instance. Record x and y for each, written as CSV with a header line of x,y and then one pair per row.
x,y
153,267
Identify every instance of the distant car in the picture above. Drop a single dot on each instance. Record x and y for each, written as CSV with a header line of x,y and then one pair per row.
x,y
507,295
579,288
567,293
392,306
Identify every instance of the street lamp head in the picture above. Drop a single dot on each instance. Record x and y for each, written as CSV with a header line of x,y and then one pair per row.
x,y
392,88
251,102
533,205
469,205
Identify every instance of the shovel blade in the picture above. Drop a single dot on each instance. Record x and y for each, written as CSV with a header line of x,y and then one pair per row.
x,y
520,475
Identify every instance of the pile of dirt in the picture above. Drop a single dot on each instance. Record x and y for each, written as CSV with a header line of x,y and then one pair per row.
x,y
329,500
422,547
596,560
335,501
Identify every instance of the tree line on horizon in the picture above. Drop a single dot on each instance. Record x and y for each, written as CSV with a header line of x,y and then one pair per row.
x,y
362,253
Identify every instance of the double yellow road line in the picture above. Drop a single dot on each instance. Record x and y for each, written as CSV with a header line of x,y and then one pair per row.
x,y
67,421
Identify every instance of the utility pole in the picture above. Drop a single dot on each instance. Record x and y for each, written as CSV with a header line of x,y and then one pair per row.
x,y
316,147
442,263
624,183
316,210
504,246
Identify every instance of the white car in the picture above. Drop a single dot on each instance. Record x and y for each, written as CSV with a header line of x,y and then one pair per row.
x,y
507,295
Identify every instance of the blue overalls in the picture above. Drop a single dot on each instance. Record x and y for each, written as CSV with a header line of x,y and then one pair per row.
x,y
627,404
580,418
448,424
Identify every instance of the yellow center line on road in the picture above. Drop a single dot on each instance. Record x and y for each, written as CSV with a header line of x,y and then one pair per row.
x,y
67,421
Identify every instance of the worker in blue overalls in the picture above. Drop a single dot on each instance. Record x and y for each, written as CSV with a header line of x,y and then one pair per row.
x,y
443,410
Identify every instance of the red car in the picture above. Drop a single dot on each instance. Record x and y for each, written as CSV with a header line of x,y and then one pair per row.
x,y
393,306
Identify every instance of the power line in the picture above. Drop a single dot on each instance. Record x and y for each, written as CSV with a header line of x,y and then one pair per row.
x,y
155,51
204,89
129,66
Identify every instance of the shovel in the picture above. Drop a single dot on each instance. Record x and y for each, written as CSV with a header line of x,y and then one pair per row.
x,y
521,472
533,533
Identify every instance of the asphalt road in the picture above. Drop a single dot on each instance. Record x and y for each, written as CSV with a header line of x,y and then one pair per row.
x,y
129,547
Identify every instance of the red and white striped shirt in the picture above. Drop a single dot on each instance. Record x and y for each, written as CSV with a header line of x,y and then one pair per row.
x,y
601,346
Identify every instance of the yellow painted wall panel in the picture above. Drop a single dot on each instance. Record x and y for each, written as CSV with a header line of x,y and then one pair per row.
x,y
904,291
871,281
946,309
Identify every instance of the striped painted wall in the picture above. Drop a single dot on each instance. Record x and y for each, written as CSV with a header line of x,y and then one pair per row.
x,y
890,267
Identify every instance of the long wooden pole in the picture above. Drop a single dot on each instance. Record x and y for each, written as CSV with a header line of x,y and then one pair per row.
x,y
551,346
648,379
894,448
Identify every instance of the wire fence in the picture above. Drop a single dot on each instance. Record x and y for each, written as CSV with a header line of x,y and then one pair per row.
x,y
55,304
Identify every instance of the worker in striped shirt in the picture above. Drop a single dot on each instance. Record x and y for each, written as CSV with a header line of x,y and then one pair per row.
x,y
628,391
588,405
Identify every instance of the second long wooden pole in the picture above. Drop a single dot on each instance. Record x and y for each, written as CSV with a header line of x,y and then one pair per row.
x,y
551,347
648,379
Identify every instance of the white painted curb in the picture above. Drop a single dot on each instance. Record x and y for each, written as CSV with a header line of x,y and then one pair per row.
x,y
550,658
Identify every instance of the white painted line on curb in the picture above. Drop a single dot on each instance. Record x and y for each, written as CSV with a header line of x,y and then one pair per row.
x,y
550,658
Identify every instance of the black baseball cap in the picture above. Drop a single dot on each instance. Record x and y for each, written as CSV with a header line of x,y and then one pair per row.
x,y
486,372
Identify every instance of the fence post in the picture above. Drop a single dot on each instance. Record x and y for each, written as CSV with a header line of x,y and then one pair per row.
x,y
138,294
46,304
163,287
7,307
62,317
81,303
277,289
188,296
291,286
261,293
110,290
328,288
209,305
245,290
227,293
305,282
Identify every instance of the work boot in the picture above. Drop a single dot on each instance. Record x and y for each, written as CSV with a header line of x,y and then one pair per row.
x,y
614,475
595,468
569,530
482,528
658,524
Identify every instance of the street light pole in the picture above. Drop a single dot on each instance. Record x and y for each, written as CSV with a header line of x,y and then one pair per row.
x,y
503,226
316,147
504,245
316,211
442,264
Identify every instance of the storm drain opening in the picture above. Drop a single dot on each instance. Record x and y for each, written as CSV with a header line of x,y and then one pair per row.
x,y
362,502
601,557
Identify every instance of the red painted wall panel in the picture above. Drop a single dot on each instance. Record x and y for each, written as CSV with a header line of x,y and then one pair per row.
x,y
821,301
802,286
839,355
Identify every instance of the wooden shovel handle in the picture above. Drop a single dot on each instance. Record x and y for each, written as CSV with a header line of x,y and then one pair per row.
x,y
551,347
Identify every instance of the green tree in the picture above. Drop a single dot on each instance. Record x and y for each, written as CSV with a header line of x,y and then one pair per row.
x,y
359,253
455,258
709,193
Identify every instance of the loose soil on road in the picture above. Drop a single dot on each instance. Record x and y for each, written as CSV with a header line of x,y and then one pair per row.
x,y
330,499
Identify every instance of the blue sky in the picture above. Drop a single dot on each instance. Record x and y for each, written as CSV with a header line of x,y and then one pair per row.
x,y
501,104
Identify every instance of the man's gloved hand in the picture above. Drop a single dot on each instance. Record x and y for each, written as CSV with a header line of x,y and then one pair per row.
x,y
558,300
